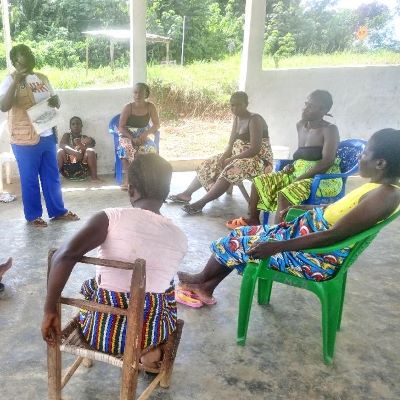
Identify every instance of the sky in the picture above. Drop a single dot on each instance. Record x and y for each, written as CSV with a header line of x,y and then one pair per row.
x,y
390,3
356,3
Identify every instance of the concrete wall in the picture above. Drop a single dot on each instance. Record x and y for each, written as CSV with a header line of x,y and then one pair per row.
x,y
365,99
96,108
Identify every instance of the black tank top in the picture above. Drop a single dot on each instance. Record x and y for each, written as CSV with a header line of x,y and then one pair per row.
x,y
245,135
138,121
308,153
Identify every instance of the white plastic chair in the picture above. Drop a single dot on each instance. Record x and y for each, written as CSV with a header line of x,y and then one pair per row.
x,y
6,157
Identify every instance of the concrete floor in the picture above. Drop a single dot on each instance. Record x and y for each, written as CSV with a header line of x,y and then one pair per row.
x,y
283,355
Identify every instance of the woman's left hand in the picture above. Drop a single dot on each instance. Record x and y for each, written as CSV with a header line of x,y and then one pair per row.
x,y
264,250
54,101
51,327
142,138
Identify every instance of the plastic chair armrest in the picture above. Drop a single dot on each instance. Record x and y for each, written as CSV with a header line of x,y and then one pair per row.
x,y
293,213
281,163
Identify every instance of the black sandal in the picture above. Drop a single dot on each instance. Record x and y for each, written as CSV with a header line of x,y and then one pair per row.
x,y
38,223
176,199
189,209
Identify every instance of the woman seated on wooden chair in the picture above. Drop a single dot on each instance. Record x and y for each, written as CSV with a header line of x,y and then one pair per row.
x,y
247,155
317,227
125,234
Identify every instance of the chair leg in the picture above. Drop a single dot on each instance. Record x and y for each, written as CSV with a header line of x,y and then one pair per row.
x,y
342,301
54,367
8,172
330,315
1,177
264,217
170,351
264,291
118,170
246,298
244,191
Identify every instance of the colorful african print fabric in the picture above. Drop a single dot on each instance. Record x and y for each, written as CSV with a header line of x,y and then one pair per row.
x,y
269,185
73,169
239,169
127,150
106,332
231,250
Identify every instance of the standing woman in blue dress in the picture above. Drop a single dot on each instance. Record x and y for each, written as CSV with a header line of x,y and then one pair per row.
x,y
35,152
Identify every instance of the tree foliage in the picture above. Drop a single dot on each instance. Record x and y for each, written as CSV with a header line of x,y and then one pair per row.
x,y
214,28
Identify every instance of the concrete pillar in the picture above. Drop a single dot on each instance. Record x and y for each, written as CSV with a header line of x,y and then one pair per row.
x,y
6,32
138,66
253,42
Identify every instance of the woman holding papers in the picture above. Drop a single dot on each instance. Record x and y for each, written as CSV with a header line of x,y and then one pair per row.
x,y
34,148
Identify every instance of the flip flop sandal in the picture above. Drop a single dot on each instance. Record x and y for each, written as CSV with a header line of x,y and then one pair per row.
x,y
38,223
190,210
205,300
69,216
236,223
181,297
175,199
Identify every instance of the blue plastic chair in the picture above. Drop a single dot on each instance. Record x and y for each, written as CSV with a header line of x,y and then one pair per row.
x,y
348,151
113,130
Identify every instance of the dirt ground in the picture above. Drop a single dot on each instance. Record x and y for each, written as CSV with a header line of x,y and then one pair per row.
x,y
194,138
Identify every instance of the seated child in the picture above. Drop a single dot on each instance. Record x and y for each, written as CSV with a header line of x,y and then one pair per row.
x,y
125,234
76,155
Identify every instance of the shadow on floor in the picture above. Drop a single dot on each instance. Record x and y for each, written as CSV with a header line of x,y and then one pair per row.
x,y
283,355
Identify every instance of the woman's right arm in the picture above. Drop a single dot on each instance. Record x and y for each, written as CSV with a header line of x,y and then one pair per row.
x,y
375,206
90,236
228,150
8,98
123,120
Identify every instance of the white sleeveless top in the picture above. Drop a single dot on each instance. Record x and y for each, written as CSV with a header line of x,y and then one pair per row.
x,y
136,233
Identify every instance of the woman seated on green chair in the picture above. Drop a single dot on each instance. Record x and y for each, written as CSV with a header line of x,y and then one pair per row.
x,y
317,227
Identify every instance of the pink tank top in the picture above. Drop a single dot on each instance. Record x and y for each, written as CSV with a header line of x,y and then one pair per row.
x,y
135,233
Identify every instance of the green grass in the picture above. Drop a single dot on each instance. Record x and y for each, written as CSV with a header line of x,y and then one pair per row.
x,y
379,57
218,78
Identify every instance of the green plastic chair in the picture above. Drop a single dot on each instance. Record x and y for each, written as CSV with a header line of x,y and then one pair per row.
x,y
330,292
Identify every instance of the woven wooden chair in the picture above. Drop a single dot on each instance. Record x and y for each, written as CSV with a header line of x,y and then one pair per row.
x,y
73,342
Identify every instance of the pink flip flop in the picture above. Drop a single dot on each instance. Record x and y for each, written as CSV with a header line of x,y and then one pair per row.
x,y
182,298
205,300
208,301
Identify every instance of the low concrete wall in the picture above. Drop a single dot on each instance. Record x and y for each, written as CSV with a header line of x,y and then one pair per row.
x,y
366,98
96,108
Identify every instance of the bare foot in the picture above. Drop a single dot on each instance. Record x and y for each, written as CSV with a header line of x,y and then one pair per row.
x,y
96,180
152,358
5,267
201,294
185,277
180,198
252,222
192,209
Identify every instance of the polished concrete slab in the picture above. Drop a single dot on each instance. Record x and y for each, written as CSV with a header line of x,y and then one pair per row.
x,y
283,355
